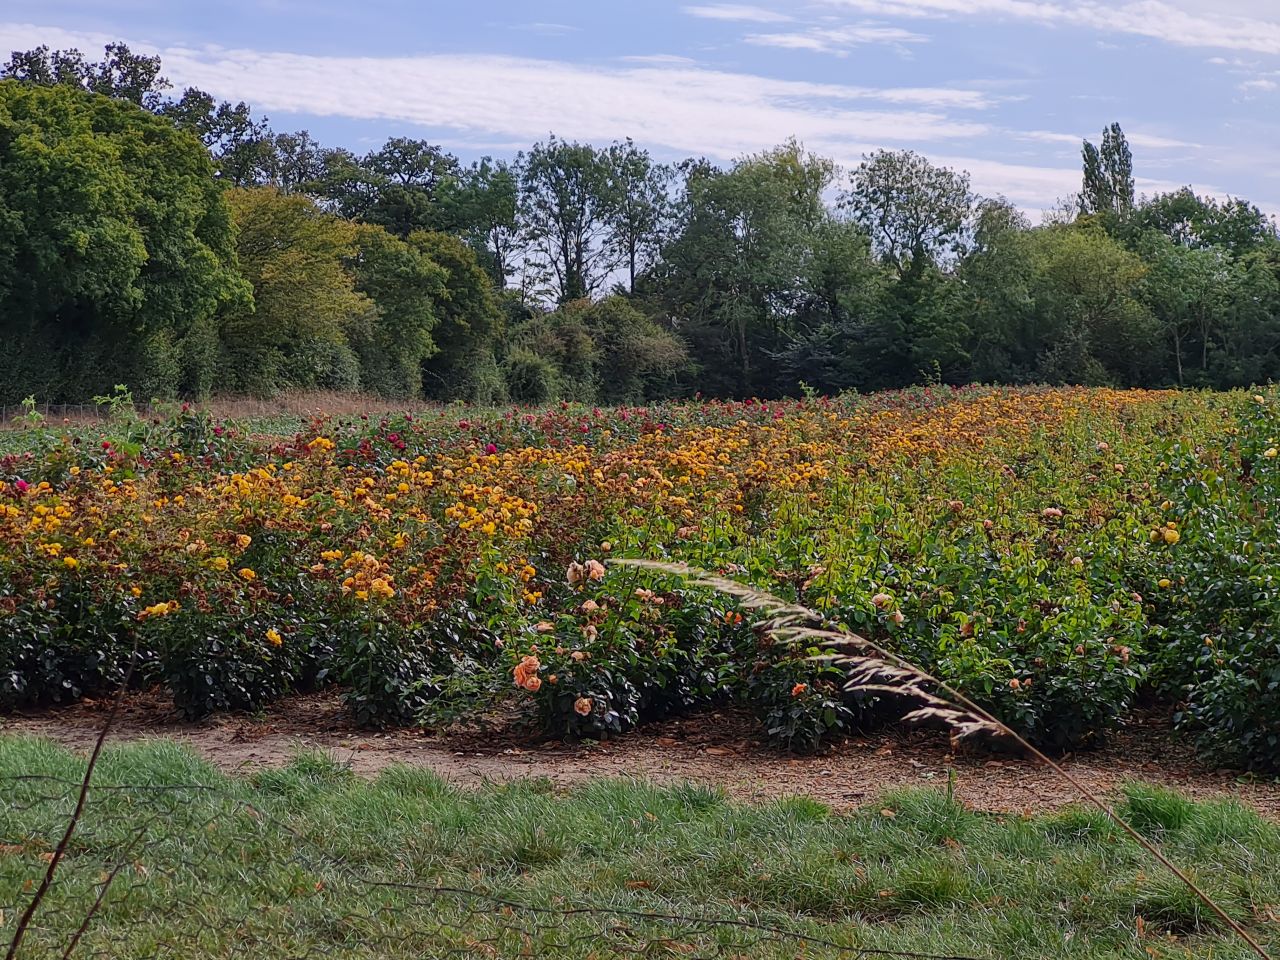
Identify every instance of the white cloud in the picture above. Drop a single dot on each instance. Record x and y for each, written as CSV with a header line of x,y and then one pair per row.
x,y
676,109
1261,85
675,105
738,12
546,29
1136,138
662,58
836,40
1252,25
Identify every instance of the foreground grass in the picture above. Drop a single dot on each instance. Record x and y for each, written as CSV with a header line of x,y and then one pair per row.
x,y
312,861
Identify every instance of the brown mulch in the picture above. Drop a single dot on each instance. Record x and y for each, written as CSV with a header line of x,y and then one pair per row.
x,y
721,747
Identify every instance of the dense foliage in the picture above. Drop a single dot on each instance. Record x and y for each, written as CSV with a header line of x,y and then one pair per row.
x,y
116,247
1050,552
181,247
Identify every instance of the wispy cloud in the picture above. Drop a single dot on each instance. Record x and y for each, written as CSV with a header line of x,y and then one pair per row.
x,y
736,12
658,58
1261,85
545,29
673,106
676,106
1136,138
1227,25
836,40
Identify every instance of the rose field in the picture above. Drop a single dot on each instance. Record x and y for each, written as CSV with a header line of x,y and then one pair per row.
x,y
1065,557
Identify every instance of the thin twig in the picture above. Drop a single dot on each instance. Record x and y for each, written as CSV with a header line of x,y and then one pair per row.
x,y
102,895
25,920
905,678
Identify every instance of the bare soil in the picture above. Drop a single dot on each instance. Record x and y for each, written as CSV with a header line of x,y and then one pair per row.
x,y
721,748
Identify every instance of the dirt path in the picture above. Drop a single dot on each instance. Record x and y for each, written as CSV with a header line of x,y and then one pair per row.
x,y
720,748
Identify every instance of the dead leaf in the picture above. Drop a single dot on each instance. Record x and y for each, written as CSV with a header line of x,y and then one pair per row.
x,y
886,812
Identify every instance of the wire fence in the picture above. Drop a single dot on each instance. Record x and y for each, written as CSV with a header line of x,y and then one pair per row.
x,y
150,869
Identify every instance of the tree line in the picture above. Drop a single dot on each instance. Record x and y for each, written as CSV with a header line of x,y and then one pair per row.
x,y
179,245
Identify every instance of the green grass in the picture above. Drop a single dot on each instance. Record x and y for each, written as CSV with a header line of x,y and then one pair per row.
x,y
312,861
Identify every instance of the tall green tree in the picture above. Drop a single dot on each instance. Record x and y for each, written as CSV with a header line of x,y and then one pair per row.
x,y
1188,290
639,207
297,162
468,323
1249,336
844,335
916,213
735,270
345,186
116,247
305,301
1199,222
241,145
485,204
412,176
996,276
405,287
1107,186
566,195
121,74
1087,312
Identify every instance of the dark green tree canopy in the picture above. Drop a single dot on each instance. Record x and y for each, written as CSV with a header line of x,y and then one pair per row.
x,y
117,242
1194,221
915,213
120,74
178,243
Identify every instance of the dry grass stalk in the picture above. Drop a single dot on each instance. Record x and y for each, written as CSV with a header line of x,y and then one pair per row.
x,y
871,668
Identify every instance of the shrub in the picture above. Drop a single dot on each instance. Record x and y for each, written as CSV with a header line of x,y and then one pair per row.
x,y
622,653
70,644
1219,595
800,703
392,676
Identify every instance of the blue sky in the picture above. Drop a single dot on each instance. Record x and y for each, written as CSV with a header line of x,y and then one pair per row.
x,y
1002,88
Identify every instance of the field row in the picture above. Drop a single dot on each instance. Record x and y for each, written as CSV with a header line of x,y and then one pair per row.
x,y
1053,553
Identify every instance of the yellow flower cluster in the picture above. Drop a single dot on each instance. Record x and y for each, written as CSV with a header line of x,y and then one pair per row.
x,y
415,532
